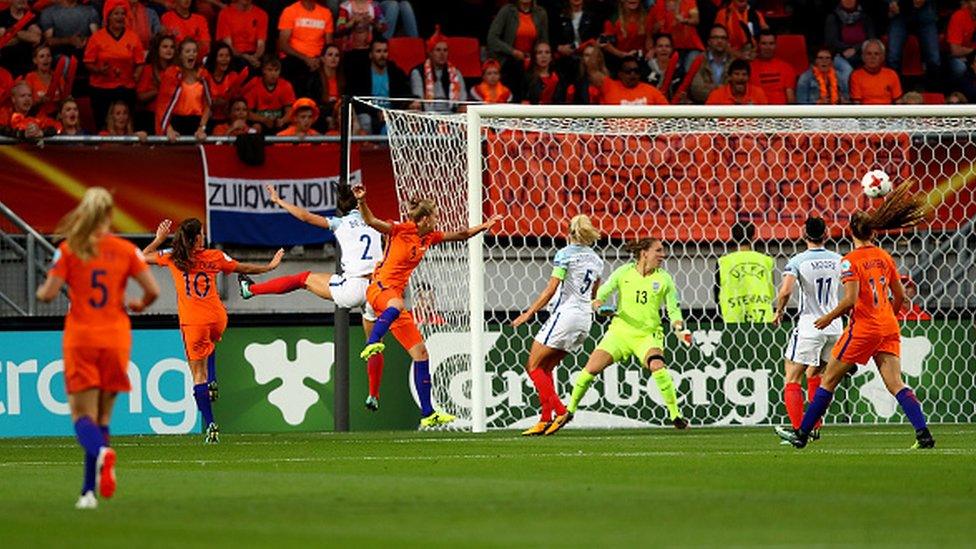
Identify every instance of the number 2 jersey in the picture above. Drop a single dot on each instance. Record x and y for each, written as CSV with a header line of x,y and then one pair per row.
x,y
97,317
817,273
873,269
361,245
197,300
579,267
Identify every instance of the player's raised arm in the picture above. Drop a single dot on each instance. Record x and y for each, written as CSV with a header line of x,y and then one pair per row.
x,y
253,268
368,217
472,231
162,232
851,288
783,296
297,211
601,293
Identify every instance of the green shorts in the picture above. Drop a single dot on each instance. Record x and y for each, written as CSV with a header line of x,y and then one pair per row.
x,y
621,344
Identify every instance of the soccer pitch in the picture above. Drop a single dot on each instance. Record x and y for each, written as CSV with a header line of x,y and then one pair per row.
x,y
625,488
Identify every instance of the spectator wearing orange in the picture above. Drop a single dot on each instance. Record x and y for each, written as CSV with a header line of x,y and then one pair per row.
x,y
541,81
6,82
18,121
19,33
738,90
874,84
114,58
592,73
185,96
775,76
630,90
358,21
244,27
143,21
714,67
332,83
626,33
845,30
48,86
436,80
961,36
822,84
182,25
743,23
238,123
679,19
67,25
162,55
513,32
491,89
665,68
270,97
304,112
304,29
69,118
119,122
577,27
225,82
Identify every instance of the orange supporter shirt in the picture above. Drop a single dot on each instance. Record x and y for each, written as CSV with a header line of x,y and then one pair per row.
x,y
40,90
292,130
873,269
244,28
631,35
525,33
122,54
194,26
736,23
882,88
404,251
723,95
615,93
684,36
774,76
961,28
197,300
308,28
97,316
263,101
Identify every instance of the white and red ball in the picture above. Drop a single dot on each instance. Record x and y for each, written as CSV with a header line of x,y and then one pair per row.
x,y
876,183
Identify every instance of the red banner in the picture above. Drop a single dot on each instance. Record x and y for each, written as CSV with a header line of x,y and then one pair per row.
x,y
149,183
696,186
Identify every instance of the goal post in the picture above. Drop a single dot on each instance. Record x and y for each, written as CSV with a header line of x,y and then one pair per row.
x,y
686,173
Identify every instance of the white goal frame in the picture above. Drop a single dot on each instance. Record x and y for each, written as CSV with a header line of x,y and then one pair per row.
x,y
475,114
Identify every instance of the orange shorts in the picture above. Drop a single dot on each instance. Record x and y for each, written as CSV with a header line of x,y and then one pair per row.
x,y
858,348
404,329
105,368
199,339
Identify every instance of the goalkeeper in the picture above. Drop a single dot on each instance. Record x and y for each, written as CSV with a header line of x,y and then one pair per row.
x,y
642,288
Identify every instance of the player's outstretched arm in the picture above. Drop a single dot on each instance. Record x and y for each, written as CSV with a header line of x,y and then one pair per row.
x,y
297,211
539,302
846,304
472,231
370,219
162,232
253,268
783,297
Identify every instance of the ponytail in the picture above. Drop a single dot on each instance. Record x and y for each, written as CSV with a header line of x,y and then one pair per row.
x,y
582,231
900,210
79,225
185,243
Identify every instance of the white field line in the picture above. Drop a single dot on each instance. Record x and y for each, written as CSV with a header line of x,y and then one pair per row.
x,y
519,456
150,442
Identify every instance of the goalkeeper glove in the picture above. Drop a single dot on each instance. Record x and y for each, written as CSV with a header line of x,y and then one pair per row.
x,y
683,334
607,309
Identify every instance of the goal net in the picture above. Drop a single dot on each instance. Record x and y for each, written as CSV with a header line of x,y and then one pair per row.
x,y
687,177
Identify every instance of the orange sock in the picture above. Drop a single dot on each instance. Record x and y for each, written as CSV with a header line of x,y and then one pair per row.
x,y
793,398
813,383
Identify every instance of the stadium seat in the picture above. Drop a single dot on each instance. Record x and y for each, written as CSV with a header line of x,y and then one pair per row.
x,y
407,52
792,48
911,58
86,115
465,54
933,98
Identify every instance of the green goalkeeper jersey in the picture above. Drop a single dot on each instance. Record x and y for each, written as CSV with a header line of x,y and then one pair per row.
x,y
640,298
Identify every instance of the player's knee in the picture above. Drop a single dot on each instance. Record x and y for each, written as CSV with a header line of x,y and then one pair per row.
x,y
419,352
655,362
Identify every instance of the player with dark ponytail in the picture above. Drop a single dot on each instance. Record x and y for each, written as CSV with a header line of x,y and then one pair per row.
x,y
869,274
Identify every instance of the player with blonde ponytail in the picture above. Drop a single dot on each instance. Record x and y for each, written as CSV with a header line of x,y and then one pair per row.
x,y
95,265
576,275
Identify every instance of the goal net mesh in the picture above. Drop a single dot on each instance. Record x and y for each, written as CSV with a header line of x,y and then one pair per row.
x,y
688,181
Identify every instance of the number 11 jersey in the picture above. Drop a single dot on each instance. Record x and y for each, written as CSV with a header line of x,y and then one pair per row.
x,y
817,273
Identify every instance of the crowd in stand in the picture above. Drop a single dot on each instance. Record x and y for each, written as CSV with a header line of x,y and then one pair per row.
x,y
200,67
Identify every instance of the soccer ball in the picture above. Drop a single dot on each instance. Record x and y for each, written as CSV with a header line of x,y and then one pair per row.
x,y
876,183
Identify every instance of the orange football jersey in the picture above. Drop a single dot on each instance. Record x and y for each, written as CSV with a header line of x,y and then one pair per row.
x,y
197,300
404,251
874,269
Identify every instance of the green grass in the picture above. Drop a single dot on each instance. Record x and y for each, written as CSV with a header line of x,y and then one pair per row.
x,y
728,487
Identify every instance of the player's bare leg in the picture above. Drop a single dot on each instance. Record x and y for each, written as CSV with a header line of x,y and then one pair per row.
x,y
889,366
542,359
318,284
654,361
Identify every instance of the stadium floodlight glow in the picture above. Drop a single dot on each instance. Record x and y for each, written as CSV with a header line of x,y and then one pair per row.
x,y
686,173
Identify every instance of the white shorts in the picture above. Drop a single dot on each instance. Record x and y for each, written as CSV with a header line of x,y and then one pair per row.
x,y
809,348
350,293
565,330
